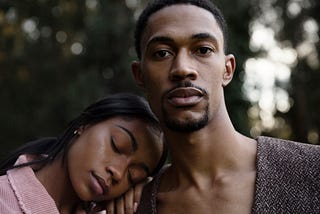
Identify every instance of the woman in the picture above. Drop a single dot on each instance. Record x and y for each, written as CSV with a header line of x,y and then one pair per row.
x,y
113,145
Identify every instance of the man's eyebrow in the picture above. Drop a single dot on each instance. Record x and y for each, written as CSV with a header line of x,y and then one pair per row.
x,y
159,39
165,39
133,140
205,36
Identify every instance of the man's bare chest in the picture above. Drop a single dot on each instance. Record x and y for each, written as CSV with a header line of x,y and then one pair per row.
x,y
236,197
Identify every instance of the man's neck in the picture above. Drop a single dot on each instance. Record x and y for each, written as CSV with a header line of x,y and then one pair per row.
x,y
208,154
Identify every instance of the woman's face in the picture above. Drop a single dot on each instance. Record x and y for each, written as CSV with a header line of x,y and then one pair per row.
x,y
109,157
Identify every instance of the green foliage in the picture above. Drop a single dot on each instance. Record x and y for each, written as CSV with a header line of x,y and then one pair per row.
x,y
298,28
304,116
238,45
58,56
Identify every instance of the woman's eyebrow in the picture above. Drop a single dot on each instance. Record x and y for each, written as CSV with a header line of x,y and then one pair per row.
x,y
133,140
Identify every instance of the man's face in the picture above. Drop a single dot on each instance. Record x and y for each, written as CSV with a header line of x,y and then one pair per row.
x,y
183,67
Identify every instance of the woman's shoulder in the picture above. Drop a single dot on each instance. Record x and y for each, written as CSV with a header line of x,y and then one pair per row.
x,y
4,183
8,201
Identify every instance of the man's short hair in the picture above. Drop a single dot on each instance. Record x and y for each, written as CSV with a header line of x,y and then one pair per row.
x,y
157,5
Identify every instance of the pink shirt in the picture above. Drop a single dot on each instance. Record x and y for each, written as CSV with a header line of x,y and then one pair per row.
x,y
22,192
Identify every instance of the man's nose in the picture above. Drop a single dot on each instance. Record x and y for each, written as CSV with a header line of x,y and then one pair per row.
x,y
183,67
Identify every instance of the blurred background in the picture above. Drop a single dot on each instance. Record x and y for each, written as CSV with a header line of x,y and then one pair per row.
x,y
58,56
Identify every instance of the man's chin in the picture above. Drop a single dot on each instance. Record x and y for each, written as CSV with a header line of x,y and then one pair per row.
x,y
185,120
186,126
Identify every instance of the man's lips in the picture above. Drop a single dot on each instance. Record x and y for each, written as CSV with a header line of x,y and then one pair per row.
x,y
100,185
185,96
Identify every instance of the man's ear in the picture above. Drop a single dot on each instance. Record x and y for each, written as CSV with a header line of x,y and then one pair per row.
x,y
230,66
137,74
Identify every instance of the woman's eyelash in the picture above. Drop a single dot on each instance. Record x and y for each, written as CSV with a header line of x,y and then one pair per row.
x,y
130,179
113,145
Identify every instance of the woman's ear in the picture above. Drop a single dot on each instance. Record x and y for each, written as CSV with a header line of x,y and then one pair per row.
x,y
137,74
81,129
230,66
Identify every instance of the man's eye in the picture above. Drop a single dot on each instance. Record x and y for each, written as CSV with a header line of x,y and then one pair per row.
x,y
162,54
204,50
113,145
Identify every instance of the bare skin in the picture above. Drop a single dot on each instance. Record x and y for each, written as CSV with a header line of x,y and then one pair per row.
x,y
102,163
225,185
65,200
213,168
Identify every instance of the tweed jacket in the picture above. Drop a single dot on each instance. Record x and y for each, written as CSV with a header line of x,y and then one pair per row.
x,y
287,179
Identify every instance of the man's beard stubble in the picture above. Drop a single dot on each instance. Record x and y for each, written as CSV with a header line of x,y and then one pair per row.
x,y
186,126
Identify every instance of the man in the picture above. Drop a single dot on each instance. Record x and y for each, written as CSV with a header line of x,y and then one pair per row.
x,y
183,68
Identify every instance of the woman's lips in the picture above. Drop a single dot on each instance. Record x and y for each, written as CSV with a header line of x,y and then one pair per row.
x,y
186,96
99,185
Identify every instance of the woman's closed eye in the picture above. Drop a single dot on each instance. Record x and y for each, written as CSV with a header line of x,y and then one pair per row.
x,y
136,174
121,144
130,179
113,145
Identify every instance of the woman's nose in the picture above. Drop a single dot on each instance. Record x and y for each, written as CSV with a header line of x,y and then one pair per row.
x,y
117,169
183,67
